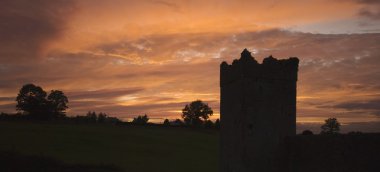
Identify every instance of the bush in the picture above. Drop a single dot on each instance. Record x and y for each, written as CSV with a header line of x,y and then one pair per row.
x,y
208,124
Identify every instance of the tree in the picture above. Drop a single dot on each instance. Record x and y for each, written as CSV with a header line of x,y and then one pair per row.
x,y
57,103
307,132
32,100
102,117
141,120
331,126
166,122
91,116
194,112
177,122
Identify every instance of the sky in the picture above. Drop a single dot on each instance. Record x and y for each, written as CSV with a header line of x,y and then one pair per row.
x,y
128,58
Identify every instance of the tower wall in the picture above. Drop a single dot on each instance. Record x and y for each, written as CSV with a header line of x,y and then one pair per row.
x,y
258,109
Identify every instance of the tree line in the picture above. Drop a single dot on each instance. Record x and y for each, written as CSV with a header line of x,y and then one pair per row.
x,y
330,127
33,103
195,114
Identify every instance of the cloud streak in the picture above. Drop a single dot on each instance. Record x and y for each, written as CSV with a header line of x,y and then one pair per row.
x,y
371,105
102,94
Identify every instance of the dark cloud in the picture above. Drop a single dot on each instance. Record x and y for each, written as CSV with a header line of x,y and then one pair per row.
x,y
371,105
371,9
370,127
7,98
26,26
103,94
371,14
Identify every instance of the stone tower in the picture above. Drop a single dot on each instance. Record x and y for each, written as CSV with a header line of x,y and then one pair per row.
x,y
258,110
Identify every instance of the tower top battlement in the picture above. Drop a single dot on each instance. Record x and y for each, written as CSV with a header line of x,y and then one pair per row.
x,y
247,67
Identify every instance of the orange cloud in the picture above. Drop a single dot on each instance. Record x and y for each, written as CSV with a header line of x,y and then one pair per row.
x,y
98,21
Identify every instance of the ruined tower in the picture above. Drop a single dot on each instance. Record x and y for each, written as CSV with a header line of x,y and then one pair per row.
x,y
258,110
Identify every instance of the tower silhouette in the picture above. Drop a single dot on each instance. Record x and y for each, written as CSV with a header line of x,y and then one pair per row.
x,y
258,110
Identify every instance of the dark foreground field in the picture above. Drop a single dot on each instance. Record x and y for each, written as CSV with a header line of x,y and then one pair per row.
x,y
95,147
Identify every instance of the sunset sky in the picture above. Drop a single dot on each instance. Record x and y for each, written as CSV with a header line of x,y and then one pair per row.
x,y
128,58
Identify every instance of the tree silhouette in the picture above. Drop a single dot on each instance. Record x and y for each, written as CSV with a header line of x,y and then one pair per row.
x,y
102,117
91,116
331,126
307,132
166,122
58,103
31,99
194,112
141,120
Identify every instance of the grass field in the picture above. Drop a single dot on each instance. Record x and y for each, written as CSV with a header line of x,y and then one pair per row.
x,y
131,148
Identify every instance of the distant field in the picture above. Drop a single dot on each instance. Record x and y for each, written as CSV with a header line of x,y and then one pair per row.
x,y
131,148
